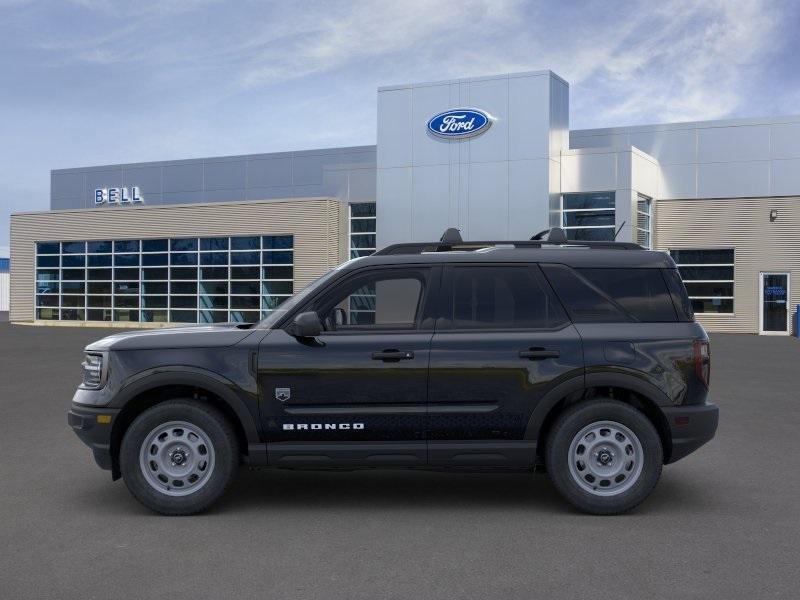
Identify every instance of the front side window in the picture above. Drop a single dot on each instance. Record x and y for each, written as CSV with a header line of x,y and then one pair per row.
x,y
502,298
380,300
708,277
588,216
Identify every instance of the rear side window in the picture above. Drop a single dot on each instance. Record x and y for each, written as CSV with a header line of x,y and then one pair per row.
x,y
680,298
641,292
490,297
585,302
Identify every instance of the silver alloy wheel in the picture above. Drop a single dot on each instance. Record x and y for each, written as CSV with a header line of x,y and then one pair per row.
x,y
177,458
605,458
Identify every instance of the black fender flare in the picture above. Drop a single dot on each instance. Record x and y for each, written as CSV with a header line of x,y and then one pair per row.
x,y
590,380
225,389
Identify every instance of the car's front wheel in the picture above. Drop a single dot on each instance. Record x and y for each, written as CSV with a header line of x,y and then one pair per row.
x,y
604,456
178,457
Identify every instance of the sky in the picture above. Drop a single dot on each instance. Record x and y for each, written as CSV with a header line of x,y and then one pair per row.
x,y
94,82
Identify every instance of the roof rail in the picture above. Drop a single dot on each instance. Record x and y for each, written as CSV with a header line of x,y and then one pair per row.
x,y
451,241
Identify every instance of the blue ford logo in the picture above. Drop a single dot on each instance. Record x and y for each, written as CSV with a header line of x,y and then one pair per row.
x,y
460,123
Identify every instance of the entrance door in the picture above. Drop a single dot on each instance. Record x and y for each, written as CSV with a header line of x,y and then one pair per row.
x,y
774,302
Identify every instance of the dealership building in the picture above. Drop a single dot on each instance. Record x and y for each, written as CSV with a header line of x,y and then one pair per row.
x,y
229,238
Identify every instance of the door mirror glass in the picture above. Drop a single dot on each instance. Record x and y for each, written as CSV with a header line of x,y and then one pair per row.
x,y
305,325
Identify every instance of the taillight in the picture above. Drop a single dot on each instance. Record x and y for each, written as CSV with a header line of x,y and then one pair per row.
x,y
702,361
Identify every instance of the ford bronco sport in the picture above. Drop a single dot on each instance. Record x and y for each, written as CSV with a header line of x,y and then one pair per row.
x,y
581,358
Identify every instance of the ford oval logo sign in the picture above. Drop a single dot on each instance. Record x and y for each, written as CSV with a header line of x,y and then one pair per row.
x,y
459,123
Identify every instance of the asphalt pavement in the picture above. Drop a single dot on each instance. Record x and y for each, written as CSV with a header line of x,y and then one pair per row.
x,y
722,523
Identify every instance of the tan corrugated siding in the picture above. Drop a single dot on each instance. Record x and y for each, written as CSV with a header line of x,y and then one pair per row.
x,y
316,224
744,225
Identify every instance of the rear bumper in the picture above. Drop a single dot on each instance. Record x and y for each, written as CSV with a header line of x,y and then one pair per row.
x,y
93,432
691,427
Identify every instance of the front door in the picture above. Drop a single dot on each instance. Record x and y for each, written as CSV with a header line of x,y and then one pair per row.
x,y
774,302
504,341
363,380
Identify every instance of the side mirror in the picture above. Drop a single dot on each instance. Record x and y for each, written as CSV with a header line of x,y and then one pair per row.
x,y
305,325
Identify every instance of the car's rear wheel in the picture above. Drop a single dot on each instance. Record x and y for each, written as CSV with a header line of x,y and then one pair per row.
x,y
178,457
604,456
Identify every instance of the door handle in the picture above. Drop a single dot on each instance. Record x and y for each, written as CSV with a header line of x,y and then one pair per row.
x,y
393,355
538,353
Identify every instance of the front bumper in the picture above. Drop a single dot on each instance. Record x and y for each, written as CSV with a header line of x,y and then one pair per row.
x,y
690,427
93,426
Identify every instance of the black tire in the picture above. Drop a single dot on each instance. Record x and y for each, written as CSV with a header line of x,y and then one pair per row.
x,y
565,430
224,449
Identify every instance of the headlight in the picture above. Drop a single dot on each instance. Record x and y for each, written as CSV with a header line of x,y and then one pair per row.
x,y
93,371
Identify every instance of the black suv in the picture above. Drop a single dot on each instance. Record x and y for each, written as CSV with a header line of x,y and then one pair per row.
x,y
581,358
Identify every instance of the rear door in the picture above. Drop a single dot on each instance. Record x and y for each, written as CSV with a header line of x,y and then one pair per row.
x,y
503,341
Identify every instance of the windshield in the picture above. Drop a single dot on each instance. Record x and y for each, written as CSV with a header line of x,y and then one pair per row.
x,y
276,315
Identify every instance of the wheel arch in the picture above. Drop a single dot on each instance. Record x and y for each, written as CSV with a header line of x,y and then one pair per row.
x,y
153,388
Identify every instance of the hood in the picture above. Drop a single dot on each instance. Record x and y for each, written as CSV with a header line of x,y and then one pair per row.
x,y
199,336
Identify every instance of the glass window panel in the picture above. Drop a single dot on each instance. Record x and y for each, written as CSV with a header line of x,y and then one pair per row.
x,y
244,258
362,226
126,245
591,235
73,301
103,287
154,316
47,314
73,274
713,305
183,301
214,272
709,289
98,247
126,274
47,247
278,272
690,273
214,316
73,314
699,257
126,301
359,241
245,287
277,242
98,301
278,258
245,272
642,292
214,258
277,287
99,274
589,200
213,287
245,243
154,260
100,260
183,258
217,243
126,287
272,302
155,301
48,300
126,260
183,287
155,274
154,287
47,287
74,260
183,273
47,274
358,253
73,247
183,245
126,315
183,316
47,261
214,302
98,314
245,302
73,287
154,245
245,316
588,218
585,303
366,209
